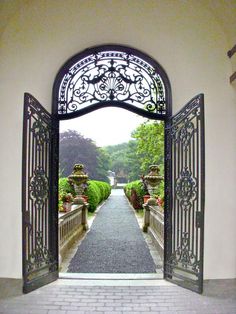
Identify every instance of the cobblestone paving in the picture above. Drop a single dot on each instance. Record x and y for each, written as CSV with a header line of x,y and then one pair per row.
x,y
114,244
58,298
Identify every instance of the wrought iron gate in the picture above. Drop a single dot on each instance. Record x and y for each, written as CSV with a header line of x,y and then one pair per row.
x,y
184,213
39,196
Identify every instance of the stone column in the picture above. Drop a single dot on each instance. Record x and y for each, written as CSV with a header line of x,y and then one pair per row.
x,y
85,216
146,206
146,221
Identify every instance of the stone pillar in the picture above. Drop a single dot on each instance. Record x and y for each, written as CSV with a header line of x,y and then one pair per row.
x,y
146,221
85,216
80,201
146,206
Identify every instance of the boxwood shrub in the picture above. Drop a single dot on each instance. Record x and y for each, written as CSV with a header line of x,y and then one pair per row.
x,y
97,191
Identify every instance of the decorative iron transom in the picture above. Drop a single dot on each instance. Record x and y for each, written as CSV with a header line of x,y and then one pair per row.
x,y
111,76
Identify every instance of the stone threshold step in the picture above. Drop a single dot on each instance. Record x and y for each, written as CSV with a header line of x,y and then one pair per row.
x,y
112,276
112,283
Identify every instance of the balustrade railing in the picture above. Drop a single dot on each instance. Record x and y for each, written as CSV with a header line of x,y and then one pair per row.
x,y
154,226
71,226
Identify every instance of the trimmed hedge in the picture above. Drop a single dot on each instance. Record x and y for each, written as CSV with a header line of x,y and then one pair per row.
x,y
135,192
97,191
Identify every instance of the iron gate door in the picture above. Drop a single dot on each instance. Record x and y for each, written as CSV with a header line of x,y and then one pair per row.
x,y
39,196
185,188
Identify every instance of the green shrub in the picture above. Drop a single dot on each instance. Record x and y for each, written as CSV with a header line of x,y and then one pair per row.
x,y
93,194
134,191
161,190
97,191
64,187
102,190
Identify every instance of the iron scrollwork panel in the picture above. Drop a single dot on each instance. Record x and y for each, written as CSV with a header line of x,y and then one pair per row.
x,y
38,214
112,76
185,197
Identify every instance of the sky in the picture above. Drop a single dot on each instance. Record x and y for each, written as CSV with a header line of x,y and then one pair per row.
x,y
106,126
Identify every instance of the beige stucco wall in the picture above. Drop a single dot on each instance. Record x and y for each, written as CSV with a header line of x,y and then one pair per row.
x,y
183,36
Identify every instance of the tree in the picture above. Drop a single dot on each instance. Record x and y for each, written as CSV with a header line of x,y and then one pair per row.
x,y
150,144
75,148
124,160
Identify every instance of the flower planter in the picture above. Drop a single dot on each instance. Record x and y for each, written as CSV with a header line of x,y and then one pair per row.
x,y
67,206
160,202
146,198
85,197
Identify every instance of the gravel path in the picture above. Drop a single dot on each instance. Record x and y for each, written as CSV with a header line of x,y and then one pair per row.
x,y
115,243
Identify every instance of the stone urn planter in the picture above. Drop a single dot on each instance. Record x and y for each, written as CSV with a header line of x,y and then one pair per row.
x,y
153,179
79,179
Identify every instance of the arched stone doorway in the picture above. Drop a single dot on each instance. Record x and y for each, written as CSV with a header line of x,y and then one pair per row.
x,y
123,77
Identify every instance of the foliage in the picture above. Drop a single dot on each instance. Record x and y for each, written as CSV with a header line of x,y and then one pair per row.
x,y
103,165
124,160
97,192
64,187
66,197
135,193
94,195
76,149
150,144
146,148
161,191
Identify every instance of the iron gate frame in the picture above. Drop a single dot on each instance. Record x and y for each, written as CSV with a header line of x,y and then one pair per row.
x,y
39,194
195,106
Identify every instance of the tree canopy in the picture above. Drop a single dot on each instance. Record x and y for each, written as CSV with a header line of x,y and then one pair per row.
x,y
150,144
129,160
75,148
134,157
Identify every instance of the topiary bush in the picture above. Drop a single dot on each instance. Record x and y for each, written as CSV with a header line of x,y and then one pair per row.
x,y
97,191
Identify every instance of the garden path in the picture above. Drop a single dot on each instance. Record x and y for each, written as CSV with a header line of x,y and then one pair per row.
x,y
115,243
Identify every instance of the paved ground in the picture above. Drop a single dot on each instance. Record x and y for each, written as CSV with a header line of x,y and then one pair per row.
x,y
115,243
68,297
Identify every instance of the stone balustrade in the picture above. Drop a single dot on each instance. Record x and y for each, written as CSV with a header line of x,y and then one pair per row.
x,y
71,226
154,226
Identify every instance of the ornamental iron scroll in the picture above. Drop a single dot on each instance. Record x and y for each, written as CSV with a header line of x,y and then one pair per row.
x,y
41,132
186,188
184,196
40,256
111,76
184,257
39,187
